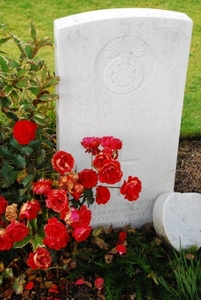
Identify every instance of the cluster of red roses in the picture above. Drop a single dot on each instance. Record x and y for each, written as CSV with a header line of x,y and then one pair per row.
x,y
72,185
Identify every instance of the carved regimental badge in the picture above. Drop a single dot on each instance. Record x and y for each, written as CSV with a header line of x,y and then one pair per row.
x,y
124,64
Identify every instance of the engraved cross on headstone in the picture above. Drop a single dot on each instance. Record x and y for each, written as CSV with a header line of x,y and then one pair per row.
x,y
128,169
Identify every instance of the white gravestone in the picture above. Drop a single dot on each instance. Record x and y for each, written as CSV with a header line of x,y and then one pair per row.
x,y
122,73
177,220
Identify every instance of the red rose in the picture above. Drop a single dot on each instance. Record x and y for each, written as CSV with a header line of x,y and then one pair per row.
x,y
77,191
111,143
91,144
29,210
56,234
39,259
88,178
62,162
24,131
81,233
100,159
131,188
3,205
17,231
102,195
57,200
111,172
42,187
78,217
5,242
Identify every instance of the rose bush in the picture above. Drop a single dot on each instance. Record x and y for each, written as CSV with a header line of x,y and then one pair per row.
x,y
45,200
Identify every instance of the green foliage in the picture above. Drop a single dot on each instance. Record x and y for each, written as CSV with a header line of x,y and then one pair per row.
x,y
187,271
26,90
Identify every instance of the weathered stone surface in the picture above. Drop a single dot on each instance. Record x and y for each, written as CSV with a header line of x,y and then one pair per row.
x,y
176,219
123,73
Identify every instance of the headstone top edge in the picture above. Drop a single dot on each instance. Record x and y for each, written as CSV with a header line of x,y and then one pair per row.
x,y
116,13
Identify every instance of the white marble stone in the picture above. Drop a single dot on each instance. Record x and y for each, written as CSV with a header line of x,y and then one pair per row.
x,y
123,73
176,218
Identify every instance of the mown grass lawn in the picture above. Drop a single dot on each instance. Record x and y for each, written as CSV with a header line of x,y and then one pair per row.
x,y
17,14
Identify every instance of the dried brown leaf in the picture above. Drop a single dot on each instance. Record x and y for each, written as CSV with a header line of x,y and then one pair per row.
x,y
101,243
108,258
88,283
101,296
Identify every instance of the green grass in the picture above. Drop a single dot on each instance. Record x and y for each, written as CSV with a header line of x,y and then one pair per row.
x,y
17,14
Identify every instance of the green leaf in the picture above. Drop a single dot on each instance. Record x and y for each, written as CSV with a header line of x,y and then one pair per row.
x,y
4,40
44,42
48,97
27,180
10,179
36,242
5,152
14,143
18,285
88,193
23,243
6,168
7,90
22,72
39,121
22,83
18,43
35,143
33,32
26,150
41,157
11,115
8,273
19,161
51,82
4,64
13,64
5,102
32,224
35,90
28,49
14,96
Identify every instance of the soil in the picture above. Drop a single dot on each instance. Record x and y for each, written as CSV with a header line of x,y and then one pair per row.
x,y
188,171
